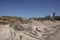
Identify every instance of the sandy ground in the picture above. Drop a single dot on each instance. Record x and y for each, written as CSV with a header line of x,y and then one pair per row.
x,y
46,32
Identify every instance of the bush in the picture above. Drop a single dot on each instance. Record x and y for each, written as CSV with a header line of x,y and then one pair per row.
x,y
17,26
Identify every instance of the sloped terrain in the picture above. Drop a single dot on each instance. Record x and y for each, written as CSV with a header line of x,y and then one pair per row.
x,y
12,19
31,30
44,32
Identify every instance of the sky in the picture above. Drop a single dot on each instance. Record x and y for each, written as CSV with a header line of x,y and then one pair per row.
x,y
29,8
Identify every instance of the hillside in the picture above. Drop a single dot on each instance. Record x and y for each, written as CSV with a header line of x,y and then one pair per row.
x,y
17,28
12,19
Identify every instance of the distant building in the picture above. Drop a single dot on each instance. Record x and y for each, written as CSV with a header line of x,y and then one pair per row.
x,y
53,17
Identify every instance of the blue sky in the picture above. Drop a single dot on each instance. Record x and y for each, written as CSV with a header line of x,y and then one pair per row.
x,y
29,8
